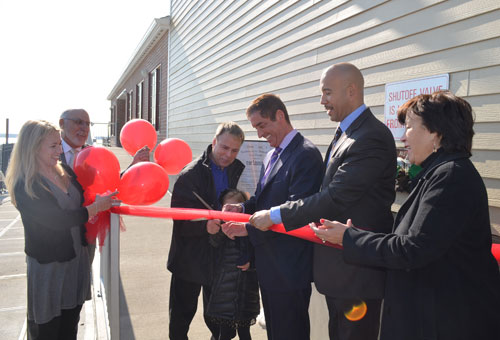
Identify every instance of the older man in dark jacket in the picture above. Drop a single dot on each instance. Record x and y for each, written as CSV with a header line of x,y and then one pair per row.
x,y
190,258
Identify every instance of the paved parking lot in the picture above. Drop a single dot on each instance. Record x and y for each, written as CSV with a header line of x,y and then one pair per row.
x,y
13,278
12,273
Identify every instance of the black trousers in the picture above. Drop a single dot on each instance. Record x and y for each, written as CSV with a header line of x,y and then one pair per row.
x,y
287,314
341,328
183,303
228,333
63,327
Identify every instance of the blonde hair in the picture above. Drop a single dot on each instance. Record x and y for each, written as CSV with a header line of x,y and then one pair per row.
x,y
23,164
232,128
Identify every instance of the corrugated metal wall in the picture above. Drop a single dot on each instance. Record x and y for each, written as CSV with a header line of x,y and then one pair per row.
x,y
225,53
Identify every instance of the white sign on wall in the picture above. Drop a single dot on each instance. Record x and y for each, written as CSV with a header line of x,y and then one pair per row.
x,y
396,94
252,155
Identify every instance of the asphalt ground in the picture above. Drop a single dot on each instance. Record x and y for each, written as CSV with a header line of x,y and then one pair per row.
x,y
12,272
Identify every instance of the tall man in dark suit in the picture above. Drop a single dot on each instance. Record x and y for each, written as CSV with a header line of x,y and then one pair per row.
x,y
292,170
358,184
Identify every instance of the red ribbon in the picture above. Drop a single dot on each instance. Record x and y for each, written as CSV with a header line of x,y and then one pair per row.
x,y
304,232
495,250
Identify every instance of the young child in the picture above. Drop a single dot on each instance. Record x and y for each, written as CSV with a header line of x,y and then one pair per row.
x,y
234,301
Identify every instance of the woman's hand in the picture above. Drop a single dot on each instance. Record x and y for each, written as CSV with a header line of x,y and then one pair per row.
x,y
331,231
102,203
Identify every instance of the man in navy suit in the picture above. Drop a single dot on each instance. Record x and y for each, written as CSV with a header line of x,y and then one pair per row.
x,y
290,171
359,184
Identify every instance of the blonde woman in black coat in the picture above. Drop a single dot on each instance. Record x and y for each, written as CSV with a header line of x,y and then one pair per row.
x,y
442,280
49,198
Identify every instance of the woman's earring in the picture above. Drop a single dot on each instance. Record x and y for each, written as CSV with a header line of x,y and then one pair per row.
x,y
434,148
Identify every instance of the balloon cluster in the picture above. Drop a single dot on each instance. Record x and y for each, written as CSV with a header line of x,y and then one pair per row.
x,y
144,183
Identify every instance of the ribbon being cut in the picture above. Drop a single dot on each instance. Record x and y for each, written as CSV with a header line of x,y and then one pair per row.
x,y
305,232
98,171
145,183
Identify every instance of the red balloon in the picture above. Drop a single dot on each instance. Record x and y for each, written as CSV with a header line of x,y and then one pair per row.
x,y
495,250
136,134
173,154
143,184
97,170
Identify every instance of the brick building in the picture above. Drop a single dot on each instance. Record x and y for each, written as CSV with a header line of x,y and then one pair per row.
x,y
141,90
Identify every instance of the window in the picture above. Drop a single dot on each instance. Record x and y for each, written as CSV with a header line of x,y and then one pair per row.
x,y
113,121
154,98
130,96
138,99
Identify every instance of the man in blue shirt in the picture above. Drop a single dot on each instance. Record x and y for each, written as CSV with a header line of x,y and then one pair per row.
x,y
191,257
359,184
293,169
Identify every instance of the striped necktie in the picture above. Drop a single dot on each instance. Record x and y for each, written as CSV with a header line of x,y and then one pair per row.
x,y
274,158
338,133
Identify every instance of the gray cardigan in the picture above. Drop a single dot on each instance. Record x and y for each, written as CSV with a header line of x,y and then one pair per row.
x,y
47,227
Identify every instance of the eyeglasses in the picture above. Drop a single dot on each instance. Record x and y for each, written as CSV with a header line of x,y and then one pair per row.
x,y
80,122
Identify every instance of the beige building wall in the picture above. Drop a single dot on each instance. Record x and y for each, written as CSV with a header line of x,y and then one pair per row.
x,y
225,53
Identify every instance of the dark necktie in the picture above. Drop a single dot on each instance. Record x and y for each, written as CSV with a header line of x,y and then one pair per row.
x,y
336,138
274,158
338,133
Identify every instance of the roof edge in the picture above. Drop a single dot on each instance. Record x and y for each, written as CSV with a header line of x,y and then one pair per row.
x,y
158,28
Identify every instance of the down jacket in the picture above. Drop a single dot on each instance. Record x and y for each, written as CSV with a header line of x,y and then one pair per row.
x,y
234,299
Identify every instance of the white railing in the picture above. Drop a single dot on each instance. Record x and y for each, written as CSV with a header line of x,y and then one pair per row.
x,y
107,284
106,272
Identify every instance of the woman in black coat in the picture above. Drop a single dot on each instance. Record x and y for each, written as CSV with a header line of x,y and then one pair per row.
x,y
49,198
442,280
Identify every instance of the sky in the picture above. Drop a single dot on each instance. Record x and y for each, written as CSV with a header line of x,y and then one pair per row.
x,y
61,54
